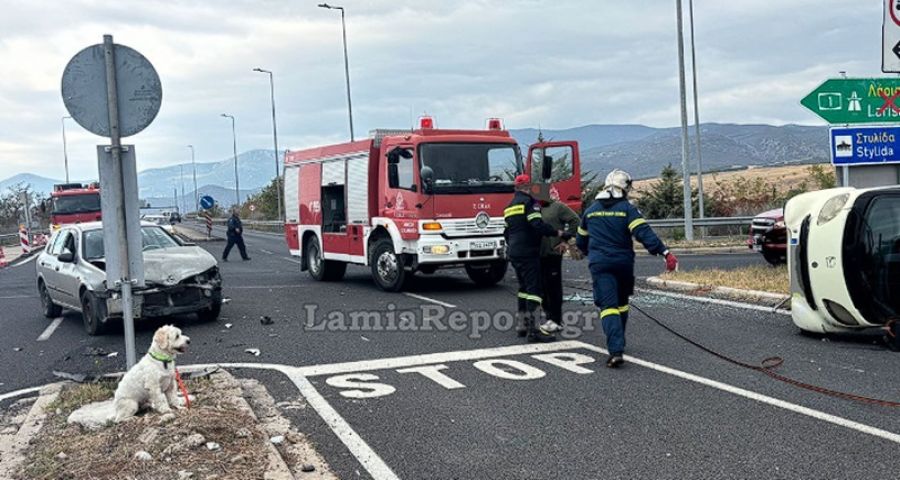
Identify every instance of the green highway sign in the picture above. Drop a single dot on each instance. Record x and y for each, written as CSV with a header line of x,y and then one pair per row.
x,y
856,100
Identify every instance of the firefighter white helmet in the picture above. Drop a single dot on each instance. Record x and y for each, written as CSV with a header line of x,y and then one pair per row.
x,y
617,185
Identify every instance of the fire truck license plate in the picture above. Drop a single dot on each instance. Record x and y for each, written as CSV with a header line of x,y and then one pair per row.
x,y
483,245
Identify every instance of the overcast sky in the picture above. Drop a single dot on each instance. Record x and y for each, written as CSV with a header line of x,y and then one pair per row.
x,y
554,63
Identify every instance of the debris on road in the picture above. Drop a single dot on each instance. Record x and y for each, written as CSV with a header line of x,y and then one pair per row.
x,y
226,300
17,349
113,355
266,320
228,325
253,351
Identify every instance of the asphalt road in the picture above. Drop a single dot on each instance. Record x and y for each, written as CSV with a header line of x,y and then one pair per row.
x,y
488,407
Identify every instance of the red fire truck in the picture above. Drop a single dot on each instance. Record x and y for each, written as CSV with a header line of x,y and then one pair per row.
x,y
407,201
73,203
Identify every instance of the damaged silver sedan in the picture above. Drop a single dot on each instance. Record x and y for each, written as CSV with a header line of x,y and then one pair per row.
x,y
180,278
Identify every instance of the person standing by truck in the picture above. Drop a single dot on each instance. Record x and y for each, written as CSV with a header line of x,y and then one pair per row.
x,y
235,236
524,231
605,236
560,217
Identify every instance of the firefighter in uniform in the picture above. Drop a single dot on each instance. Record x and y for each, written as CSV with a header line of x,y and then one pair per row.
x,y
524,231
605,236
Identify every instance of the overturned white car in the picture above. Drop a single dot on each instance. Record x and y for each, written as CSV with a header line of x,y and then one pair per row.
x,y
844,259
179,278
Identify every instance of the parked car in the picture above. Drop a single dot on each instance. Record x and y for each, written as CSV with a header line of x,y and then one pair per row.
x,y
845,260
164,221
768,236
180,278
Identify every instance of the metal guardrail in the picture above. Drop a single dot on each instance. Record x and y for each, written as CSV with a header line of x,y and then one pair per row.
x,y
663,223
705,222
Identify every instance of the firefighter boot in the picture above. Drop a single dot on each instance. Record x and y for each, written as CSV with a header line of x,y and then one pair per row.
x,y
541,330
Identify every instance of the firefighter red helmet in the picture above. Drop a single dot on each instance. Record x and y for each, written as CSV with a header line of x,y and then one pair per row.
x,y
523,179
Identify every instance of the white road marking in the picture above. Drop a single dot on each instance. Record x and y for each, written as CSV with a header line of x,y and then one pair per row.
x,y
436,358
775,402
19,393
12,297
298,262
714,301
50,329
430,300
261,287
433,372
266,252
23,262
366,456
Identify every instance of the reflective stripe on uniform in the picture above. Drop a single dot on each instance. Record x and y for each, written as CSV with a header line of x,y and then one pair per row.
x,y
623,309
636,223
534,215
582,232
514,210
608,312
606,214
528,296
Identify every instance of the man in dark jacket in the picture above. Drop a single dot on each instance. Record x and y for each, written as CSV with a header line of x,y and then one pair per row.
x,y
605,236
235,236
559,216
524,231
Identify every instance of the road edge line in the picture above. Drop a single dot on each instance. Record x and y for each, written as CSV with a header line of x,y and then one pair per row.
x,y
45,335
427,299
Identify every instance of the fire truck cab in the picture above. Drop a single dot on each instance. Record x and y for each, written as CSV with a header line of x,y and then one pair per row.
x,y
74,203
407,201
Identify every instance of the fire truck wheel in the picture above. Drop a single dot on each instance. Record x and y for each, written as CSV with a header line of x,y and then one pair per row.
x,y
51,310
320,269
486,274
387,267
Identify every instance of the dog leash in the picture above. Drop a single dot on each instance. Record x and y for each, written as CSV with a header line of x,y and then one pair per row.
x,y
184,392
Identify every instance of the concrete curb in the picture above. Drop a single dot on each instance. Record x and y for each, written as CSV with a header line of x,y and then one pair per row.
x,y
767,299
194,236
12,446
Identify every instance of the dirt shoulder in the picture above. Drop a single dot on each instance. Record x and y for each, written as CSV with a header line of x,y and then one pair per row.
x,y
220,437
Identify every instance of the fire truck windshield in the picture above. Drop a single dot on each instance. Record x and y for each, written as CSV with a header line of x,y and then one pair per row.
x,y
68,204
472,167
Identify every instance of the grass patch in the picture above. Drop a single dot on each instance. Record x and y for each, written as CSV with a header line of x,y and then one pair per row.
x,y
763,278
108,453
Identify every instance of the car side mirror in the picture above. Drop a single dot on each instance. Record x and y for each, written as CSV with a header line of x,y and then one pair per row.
x,y
66,256
427,176
397,153
547,167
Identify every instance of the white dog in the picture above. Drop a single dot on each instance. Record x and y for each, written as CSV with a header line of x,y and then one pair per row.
x,y
151,382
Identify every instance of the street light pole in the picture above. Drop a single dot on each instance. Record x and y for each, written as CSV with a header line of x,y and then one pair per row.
x,y
696,114
688,213
181,202
65,147
196,194
275,137
346,62
237,191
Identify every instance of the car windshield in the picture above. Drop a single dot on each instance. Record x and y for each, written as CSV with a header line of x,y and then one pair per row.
x,y
472,167
152,238
67,204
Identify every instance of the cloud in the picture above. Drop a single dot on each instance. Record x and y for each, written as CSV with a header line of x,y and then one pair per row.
x,y
555,63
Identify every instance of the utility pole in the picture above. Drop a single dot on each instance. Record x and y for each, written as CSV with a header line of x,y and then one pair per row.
x,y
196,194
237,188
346,63
688,207
275,137
182,203
696,115
65,147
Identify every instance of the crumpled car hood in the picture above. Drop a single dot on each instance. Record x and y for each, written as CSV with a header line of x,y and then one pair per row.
x,y
168,266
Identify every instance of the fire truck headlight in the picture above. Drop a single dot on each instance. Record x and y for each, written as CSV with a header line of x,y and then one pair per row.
x,y
831,208
432,226
437,249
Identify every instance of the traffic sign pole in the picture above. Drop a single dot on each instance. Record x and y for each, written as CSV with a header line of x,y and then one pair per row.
x,y
125,254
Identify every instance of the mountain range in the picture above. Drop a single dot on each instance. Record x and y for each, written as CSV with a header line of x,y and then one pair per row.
x,y
641,150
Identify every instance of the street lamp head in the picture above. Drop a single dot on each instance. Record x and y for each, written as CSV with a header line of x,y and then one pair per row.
x,y
324,5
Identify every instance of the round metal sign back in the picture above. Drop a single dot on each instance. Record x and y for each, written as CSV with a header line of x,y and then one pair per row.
x,y
138,89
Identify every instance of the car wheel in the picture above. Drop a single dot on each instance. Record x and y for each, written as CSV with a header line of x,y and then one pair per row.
x,y
774,258
92,314
211,314
486,274
388,268
319,268
51,310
